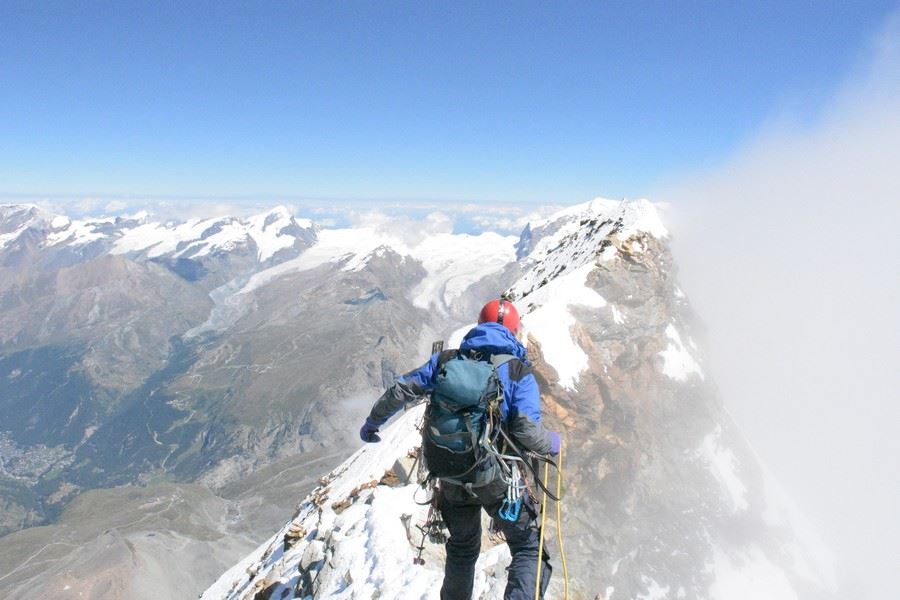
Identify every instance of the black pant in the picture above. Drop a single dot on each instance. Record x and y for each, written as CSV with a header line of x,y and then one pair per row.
x,y
462,514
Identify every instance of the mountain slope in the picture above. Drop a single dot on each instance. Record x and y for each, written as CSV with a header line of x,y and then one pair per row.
x,y
663,496
133,350
243,353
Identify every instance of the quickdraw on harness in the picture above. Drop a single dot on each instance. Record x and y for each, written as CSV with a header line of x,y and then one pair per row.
x,y
511,474
511,507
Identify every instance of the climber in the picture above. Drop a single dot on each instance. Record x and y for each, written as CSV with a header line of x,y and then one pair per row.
x,y
462,494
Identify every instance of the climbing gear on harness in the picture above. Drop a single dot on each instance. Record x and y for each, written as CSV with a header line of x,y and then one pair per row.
x,y
511,507
526,458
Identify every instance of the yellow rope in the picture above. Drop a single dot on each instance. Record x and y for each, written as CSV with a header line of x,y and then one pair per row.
x,y
562,553
537,584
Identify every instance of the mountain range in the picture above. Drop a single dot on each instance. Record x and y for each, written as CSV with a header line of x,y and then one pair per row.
x,y
173,389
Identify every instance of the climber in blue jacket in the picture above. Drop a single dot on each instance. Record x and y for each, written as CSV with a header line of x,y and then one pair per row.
x,y
461,504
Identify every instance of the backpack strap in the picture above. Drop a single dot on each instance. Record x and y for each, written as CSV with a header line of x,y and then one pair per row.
x,y
444,356
501,359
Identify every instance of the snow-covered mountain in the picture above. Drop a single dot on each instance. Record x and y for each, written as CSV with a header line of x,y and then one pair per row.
x,y
106,312
266,234
664,499
214,351
241,353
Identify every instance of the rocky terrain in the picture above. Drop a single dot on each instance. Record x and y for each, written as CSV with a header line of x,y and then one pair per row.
x,y
201,377
663,498
213,351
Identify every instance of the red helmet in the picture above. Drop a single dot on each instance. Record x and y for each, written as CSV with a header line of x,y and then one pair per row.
x,y
500,311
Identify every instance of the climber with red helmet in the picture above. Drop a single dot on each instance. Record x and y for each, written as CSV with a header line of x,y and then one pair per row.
x,y
488,374
500,311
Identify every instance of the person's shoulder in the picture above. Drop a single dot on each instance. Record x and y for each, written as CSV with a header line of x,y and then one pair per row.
x,y
518,369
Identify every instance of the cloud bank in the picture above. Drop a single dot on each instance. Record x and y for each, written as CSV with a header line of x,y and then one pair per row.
x,y
789,252
461,217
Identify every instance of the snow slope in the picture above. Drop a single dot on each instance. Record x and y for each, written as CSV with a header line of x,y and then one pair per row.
x,y
556,282
452,262
354,537
201,237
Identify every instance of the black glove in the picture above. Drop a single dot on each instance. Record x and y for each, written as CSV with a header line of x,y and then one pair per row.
x,y
369,432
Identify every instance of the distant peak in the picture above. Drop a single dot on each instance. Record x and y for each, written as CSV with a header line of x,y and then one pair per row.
x,y
277,212
8,210
639,215
282,211
15,219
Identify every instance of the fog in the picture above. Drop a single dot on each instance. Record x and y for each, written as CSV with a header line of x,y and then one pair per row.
x,y
789,253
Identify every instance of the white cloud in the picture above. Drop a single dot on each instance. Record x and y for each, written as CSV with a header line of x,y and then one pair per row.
x,y
789,253
511,221
423,216
115,206
88,205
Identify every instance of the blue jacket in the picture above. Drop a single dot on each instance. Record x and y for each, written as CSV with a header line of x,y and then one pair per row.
x,y
520,409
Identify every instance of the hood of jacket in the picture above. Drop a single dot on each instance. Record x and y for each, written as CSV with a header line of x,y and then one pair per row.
x,y
493,338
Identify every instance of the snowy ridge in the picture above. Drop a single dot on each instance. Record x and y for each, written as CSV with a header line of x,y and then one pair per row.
x,y
270,232
583,234
80,232
354,537
351,246
580,237
138,235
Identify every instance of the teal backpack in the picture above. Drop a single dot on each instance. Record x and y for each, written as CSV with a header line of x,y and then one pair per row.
x,y
457,431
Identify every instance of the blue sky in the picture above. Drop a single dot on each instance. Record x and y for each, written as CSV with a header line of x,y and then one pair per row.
x,y
485,102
